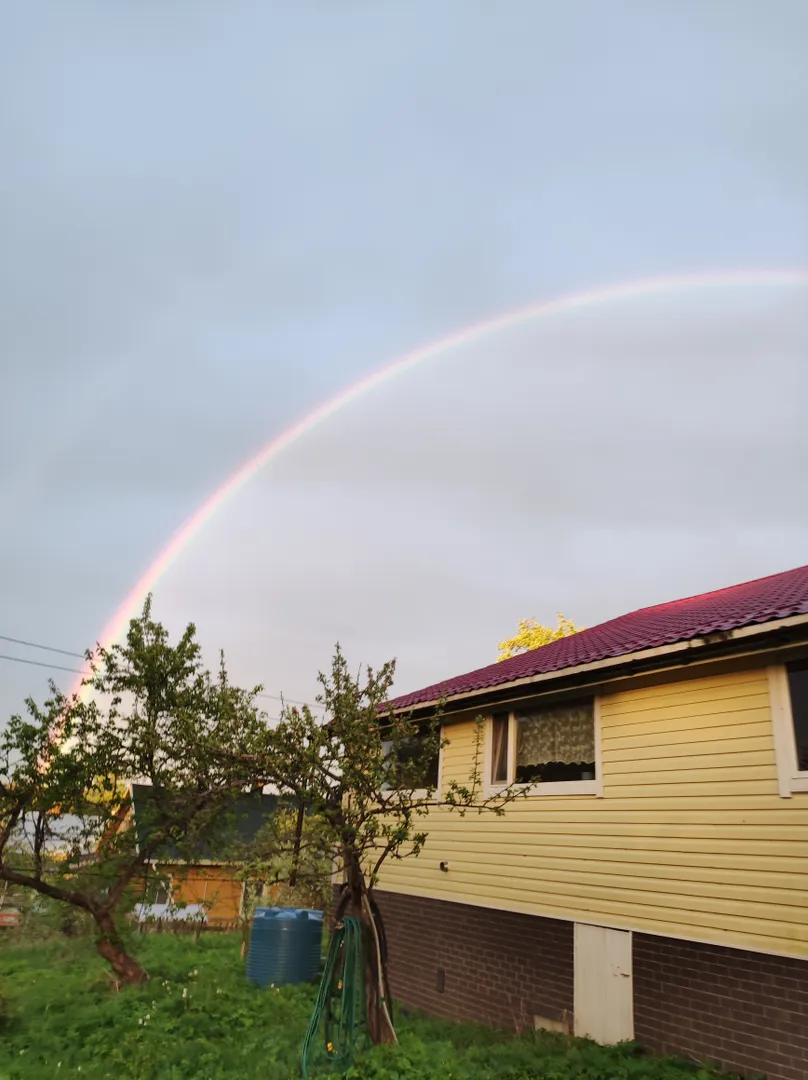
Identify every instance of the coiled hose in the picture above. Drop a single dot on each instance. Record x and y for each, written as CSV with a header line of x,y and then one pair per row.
x,y
340,1006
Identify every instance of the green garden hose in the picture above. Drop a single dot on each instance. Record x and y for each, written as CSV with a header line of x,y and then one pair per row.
x,y
340,1007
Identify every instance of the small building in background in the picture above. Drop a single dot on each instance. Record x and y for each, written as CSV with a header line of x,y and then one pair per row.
x,y
199,882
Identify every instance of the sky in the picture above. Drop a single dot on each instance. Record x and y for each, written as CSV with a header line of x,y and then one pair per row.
x,y
215,216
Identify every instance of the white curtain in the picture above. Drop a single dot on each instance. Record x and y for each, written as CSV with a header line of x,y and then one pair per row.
x,y
564,733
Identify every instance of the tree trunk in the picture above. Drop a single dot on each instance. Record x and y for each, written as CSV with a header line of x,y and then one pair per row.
x,y
301,817
379,1020
377,985
111,947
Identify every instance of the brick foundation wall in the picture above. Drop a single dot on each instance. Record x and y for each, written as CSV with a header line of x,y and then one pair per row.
x,y
499,968
742,1010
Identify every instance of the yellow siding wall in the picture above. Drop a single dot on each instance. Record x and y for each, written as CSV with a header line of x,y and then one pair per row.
x,y
217,886
690,839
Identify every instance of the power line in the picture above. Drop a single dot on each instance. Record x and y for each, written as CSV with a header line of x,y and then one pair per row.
x,y
45,648
78,671
288,700
39,663
80,656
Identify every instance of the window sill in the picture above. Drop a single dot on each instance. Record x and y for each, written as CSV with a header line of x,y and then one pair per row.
x,y
419,795
561,787
423,794
798,783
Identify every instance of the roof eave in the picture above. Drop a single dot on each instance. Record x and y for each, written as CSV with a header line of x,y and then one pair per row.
x,y
720,643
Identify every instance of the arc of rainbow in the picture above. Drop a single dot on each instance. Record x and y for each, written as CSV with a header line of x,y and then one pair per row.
x,y
570,302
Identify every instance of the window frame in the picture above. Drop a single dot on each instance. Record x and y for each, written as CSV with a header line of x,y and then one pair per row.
x,y
422,793
539,790
167,891
790,780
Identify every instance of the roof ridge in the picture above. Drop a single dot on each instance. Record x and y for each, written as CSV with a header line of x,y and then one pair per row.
x,y
766,598
697,596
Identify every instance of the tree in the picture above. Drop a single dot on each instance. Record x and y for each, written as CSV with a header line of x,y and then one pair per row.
x,y
364,773
288,862
158,717
532,635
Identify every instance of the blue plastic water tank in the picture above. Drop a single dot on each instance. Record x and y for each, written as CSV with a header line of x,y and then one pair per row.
x,y
285,946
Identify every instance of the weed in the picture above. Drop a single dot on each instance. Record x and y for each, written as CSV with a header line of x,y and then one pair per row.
x,y
198,1018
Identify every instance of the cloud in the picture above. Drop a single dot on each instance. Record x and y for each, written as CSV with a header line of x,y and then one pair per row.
x,y
216,216
587,465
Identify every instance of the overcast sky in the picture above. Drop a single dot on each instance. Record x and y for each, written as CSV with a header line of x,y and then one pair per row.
x,y
215,216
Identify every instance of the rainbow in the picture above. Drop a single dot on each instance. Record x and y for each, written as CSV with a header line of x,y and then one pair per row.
x,y
571,302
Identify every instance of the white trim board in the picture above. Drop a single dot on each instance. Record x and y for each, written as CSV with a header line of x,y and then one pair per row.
x,y
789,778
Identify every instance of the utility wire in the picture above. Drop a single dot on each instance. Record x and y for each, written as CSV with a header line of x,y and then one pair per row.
x,y
288,700
80,656
39,663
45,648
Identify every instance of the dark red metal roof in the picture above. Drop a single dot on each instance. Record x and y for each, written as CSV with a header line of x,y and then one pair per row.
x,y
762,600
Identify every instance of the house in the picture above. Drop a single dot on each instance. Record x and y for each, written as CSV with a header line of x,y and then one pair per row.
x,y
653,882
207,878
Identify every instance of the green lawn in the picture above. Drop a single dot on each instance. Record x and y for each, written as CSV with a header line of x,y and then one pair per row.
x,y
199,1019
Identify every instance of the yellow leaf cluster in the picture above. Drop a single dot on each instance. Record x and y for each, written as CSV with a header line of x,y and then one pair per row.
x,y
532,635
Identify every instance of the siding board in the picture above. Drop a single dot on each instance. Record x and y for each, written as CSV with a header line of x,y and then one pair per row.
x,y
643,909
781,886
661,735
751,750
690,839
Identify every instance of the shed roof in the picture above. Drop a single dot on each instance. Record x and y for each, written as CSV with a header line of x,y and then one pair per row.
x,y
238,825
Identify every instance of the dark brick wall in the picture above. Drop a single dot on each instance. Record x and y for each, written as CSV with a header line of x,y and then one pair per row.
x,y
500,968
743,1010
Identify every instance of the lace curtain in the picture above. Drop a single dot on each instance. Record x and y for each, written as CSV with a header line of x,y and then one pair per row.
x,y
563,733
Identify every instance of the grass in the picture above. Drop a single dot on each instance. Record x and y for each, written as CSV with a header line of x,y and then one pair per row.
x,y
199,1019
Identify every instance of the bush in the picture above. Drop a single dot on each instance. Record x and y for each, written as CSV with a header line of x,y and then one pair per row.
x,y
6,1013
470,1053
199,1019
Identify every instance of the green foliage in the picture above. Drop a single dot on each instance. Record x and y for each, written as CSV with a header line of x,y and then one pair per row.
x,y
471,1054
7,1015
199,1019
368,777
155,715
532,635
289,861
52,918
364,773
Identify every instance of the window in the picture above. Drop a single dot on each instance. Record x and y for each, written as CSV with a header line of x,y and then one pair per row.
x,y
551,747
416,768
798,694
500,724
789,702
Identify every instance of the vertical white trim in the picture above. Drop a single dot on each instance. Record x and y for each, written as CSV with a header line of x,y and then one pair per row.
x,y
513,735
598,748
785,750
